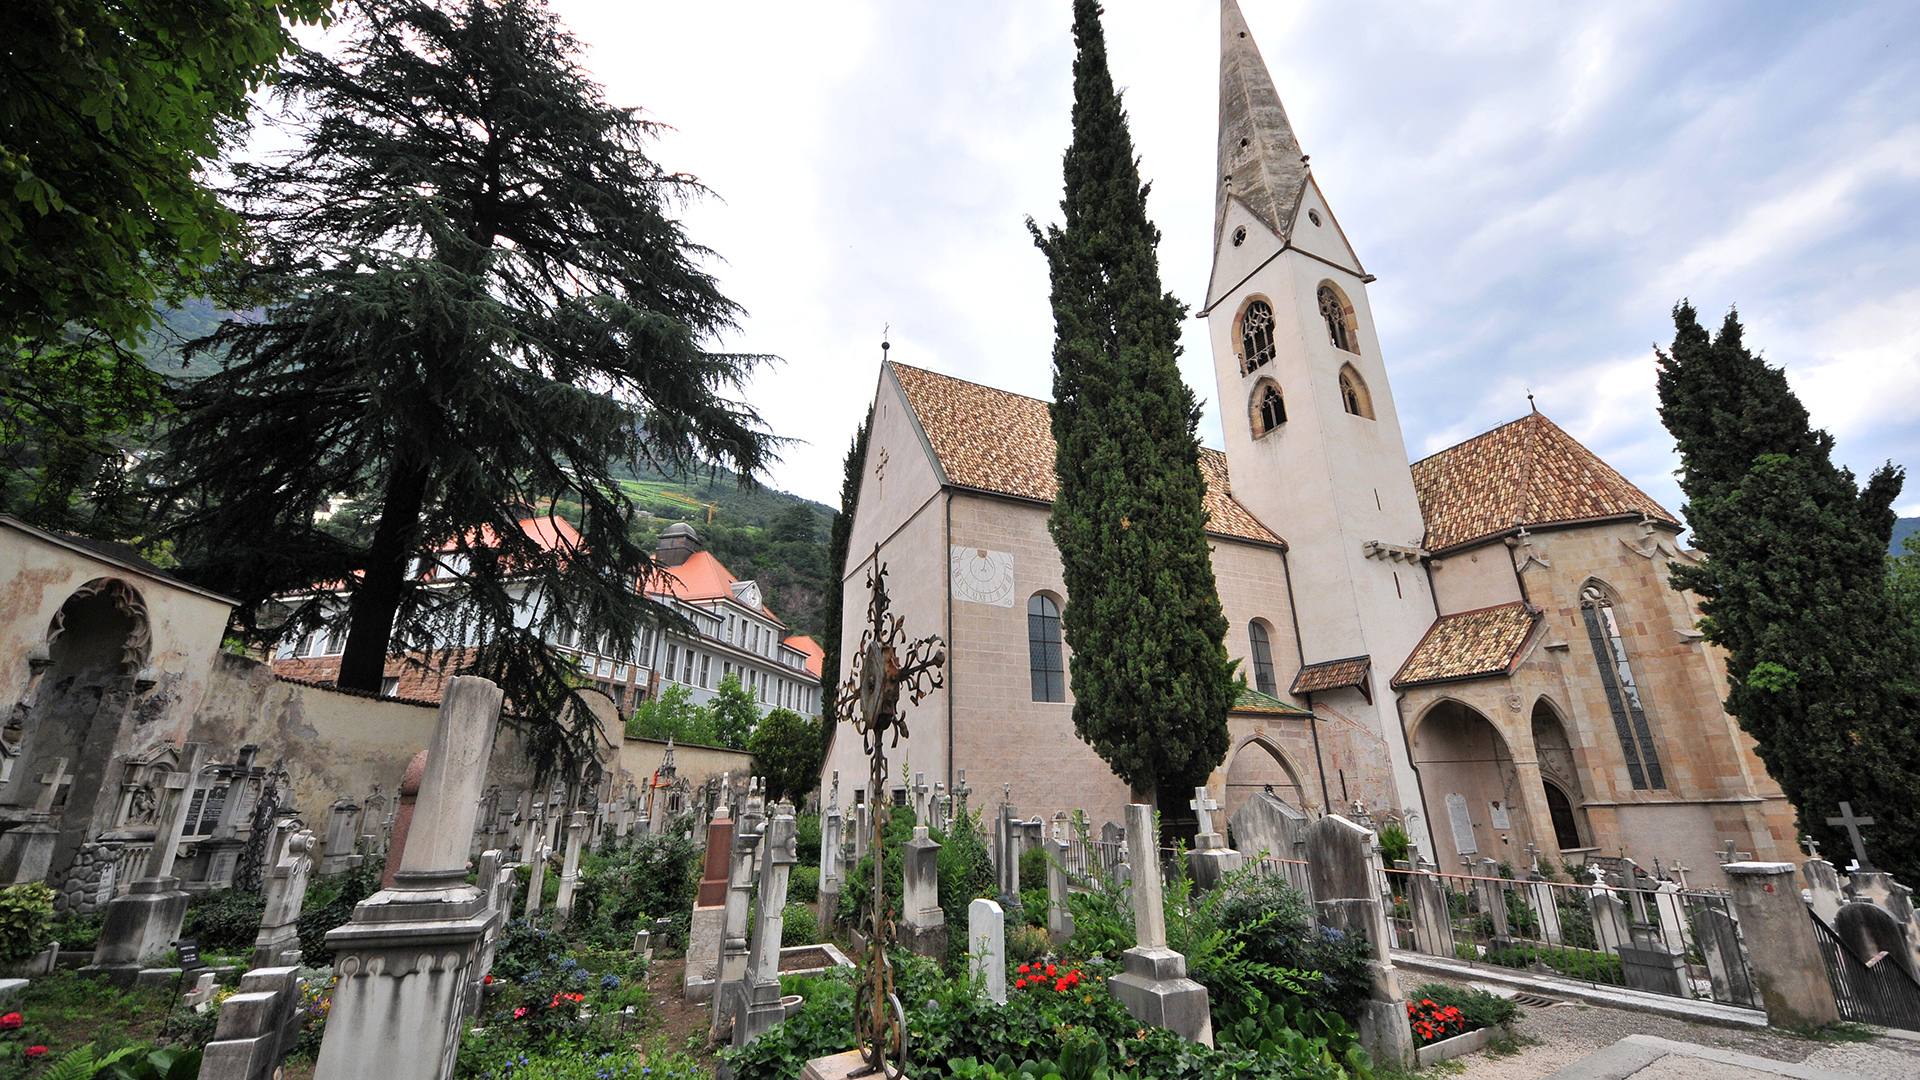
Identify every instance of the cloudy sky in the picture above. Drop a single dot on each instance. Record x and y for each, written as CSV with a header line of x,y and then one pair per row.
x,y
1534,185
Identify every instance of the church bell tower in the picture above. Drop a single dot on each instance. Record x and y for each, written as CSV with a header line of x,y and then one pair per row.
x,y
1313,439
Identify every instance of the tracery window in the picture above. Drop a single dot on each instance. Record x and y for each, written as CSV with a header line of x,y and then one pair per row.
x,y
1263,679
1333,311
1043,649
1269,409
1353,393
1256,336
1623,691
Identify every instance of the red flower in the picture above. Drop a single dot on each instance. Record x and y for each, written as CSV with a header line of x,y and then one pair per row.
x,y
1023,969
1061,986
519,1012
1019,984
36,1051
1049,971
487,980
11,1021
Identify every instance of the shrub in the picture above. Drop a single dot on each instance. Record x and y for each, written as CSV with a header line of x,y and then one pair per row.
x,y
225,921
1279,929
329,903
1394,844
652,877
804,885
1478,1008
966,874
1033,907
1033,870
806,837
1025,943
78,931
798,926
26,916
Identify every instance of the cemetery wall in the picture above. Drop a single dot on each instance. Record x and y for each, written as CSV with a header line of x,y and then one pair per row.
x,y
641,758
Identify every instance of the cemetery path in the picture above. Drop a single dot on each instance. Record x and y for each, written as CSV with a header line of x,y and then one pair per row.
x,y
684,1025
1565,1033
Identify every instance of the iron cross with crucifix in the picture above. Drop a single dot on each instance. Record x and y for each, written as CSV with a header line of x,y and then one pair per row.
x,y
870,701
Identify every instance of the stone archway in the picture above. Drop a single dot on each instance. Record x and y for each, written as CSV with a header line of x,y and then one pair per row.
x,y
1256,765
96,645
1471,787
1560,779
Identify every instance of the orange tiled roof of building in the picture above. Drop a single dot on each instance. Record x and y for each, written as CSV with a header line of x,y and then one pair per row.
x,y
999,441
702,577
1468,645
816,656
1526,473
1332,675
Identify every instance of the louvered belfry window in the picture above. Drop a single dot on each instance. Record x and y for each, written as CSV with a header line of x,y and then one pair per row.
x,y
1623,691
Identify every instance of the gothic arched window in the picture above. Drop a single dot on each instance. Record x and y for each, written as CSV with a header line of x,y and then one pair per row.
x,y
1043,649
1623,691
1256,336
1263,680
1269,408
1353,393
1333,310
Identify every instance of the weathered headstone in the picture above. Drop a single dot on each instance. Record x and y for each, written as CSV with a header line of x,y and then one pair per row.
x,y
1870,930
257,1027
1788,969
707,931
343,830
403,816
1343,865
1720,946
1427,904
987,947
1823,888
1545,906
404,963
1265,827
1059,915
923,926
1491,892
759,1004
496,892
748,838
1671,912
1154,988
26,851
570,867
278,942
1609,919
1211,860
832,875
537,874
142,925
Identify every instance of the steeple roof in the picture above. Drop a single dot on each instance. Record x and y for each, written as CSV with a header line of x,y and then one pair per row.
x,y
1260,160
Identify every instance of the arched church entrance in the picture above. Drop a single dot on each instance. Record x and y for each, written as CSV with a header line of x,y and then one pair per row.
x,y
83,685
1560,776
1471,787
1265,799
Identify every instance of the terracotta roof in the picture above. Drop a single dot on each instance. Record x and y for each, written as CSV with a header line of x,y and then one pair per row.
x,y
816,656
1469,645
1253,701
702,578
1332,675
998,441
1526,473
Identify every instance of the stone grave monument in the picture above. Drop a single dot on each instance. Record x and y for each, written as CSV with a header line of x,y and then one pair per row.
x,y
1154,988
987,947
290,862
1343,863
707,931
1211,860
142,925
923,928
759,1004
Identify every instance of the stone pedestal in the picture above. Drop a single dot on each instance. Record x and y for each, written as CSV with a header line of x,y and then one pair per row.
x,y
26,853
258,1026
707,931
1648,964
923,926
843,1066
1155,990
1788,969
405,962
1212,860
139,929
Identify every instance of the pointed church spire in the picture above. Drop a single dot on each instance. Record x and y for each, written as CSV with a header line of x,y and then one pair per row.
x,y
1260,159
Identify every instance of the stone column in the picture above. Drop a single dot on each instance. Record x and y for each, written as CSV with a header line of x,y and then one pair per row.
x,y
707,931
404,963
278,943
1154,988
759,1005
570,868
1788,968
143,924
747,839
987,947
923,926
1343,864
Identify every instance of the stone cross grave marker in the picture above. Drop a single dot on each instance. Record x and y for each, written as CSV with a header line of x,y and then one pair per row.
x,y
1203,807
920,798
1729,855
961,791
1812,846
1852,824
1680,872
52,782
1154,988
936,811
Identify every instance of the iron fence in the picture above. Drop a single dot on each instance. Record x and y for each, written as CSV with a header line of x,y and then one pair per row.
x,y
1873,991
1662,938
1294,871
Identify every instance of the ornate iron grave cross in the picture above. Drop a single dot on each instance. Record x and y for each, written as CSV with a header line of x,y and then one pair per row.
x,y
870,700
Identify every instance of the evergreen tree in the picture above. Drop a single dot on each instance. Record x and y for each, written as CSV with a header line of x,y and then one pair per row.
x,y
735,713
787,752
478,300
1821,664
1151,679
838,539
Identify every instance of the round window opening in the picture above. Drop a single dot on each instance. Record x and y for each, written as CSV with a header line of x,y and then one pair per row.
x,y
1239,236
1314,216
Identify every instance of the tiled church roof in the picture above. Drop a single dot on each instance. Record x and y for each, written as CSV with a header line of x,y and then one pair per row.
x,y
1002,442
1526,473
1332,675
1469,644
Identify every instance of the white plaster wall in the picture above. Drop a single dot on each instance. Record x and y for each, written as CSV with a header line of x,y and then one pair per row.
x,y
1475,578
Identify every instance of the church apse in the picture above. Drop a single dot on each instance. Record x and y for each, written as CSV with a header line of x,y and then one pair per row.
x,y
1472,787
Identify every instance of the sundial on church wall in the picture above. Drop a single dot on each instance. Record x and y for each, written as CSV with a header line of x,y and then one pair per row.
x,y
983,577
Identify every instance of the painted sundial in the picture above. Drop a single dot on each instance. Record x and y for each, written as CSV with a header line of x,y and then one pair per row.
x,y
982,576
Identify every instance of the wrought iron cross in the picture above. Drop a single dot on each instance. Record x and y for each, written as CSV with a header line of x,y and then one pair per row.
x,y
1852,824
870,700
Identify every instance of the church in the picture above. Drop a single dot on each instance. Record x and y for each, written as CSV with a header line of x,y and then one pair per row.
x,y
1481,644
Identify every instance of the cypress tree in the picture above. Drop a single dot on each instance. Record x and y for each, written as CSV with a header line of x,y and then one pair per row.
x,y
1821,663
1151,679
839,536
479,299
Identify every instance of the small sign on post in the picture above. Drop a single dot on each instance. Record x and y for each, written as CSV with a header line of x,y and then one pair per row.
x,y
189,951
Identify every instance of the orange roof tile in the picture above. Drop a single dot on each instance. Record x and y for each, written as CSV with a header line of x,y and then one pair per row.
x,y
995,440
1332,675
1469,645
1526,473
816,656
701,578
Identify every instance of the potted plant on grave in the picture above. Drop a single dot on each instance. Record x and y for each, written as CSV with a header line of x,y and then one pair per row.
x,y
1448,1021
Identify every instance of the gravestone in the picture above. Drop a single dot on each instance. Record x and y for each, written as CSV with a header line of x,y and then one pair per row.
x,y
278,942
496,891
832,876
1720,946
1427,905
1211,860
987,947
143,924
1647,964
1154,988
1059,915
1670,909
759,1005
1609,919
403,816
1491,891
748,838
1789,971
923,926
1265,827
1869,930
343,830
570,867
1343,864
537,874
26,851
257,1027
1823,888
404,963
707,931
1545,906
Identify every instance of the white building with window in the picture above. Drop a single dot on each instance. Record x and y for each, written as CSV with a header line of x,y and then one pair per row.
x,y
1482,643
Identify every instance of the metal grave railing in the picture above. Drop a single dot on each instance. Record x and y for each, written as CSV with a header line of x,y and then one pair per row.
x,y
1870,991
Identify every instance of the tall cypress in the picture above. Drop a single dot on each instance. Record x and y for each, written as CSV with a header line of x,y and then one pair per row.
x,y
1151,679
839,537
1821,670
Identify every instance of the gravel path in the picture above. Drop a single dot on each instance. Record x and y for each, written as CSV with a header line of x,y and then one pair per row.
x,y
1565,1033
